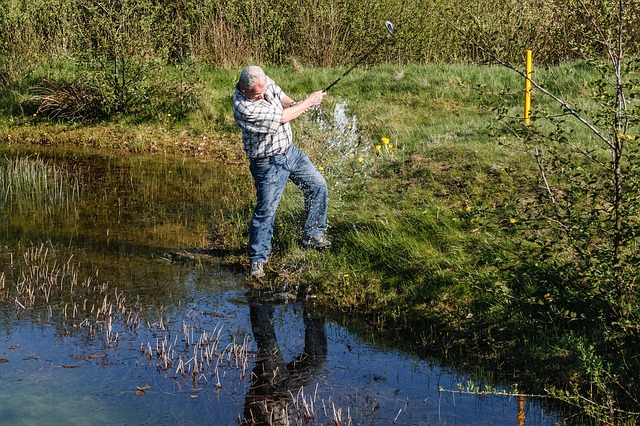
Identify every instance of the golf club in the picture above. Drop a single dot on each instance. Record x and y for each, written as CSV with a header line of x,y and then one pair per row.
x,y
390,30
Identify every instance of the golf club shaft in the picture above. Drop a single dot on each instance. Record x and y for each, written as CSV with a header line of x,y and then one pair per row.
x,y
362,58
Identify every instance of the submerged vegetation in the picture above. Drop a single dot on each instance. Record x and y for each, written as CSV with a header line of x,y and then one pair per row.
x,y
516,245
50,289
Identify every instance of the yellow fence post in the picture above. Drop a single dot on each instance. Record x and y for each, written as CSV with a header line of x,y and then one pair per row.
x,y
527,90
522,417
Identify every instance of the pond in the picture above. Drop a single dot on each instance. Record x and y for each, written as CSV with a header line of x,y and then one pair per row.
x,y
100,326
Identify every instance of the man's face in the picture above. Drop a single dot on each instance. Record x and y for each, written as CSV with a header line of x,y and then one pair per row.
x,y
256,93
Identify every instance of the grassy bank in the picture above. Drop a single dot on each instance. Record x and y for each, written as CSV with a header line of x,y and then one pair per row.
x,y
428,214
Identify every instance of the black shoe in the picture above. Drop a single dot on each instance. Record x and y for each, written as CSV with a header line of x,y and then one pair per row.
x,y
318,243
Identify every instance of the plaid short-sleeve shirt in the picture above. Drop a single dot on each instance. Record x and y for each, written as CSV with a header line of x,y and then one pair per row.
x,y
263,135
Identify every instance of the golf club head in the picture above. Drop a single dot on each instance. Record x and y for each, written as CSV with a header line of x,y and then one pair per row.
x,y
390,28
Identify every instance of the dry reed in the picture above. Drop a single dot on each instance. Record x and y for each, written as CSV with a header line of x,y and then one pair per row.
x,y
41,282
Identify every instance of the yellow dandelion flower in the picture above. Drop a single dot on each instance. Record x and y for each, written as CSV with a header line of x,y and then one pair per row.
x,y
390,146
360,160
630,137
384,140
169,115
34,114
378,147
455,219
468,208
512,220
346,275
320,168
351,155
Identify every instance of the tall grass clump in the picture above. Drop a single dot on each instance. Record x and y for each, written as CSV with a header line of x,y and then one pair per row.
x,y
30,181
42,285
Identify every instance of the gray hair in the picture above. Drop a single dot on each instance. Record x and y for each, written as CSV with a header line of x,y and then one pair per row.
x,y
250,76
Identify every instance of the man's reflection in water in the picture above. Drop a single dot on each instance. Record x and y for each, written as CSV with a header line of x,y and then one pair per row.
x,y
272,379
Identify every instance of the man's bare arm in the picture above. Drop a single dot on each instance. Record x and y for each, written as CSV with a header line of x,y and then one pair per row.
x,y
294,109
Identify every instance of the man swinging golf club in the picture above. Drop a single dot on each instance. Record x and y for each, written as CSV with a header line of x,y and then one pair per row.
x,y
263,111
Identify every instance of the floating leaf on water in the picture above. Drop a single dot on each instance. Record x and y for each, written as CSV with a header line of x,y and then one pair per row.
x,y
69,366
84,358
15,346
213,314
141,389
97,355
4,361
144,388
106,363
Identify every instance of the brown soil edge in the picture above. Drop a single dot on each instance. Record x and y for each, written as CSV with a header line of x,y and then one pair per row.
x,y
115,139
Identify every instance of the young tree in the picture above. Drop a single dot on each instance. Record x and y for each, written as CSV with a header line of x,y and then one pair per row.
x,y
116,38
583,225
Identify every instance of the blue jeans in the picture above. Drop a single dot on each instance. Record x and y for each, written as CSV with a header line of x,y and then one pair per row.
x,y
270,176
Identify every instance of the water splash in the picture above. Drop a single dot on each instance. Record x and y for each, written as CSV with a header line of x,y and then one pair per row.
x,y
344,152
341,130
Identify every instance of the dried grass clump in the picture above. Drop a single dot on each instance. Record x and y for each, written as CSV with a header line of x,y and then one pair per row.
x,y
73,101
